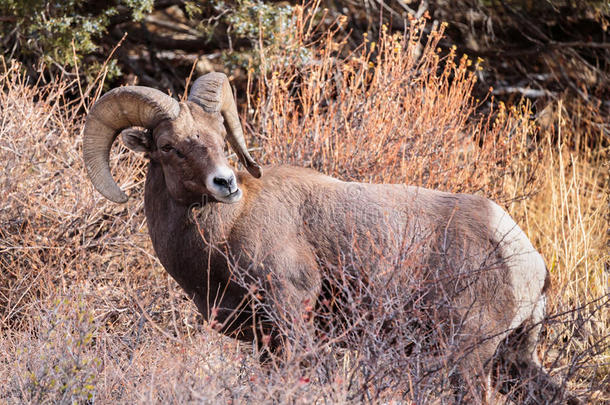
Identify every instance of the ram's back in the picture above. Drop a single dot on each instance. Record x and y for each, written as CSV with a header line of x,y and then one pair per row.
x,y
310,223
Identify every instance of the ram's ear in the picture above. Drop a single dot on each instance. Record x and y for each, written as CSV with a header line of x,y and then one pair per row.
x,y
137,139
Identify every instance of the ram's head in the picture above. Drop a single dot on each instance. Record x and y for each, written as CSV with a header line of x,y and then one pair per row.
x,y
186,139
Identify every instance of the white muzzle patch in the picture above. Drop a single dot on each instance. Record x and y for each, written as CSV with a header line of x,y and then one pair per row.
x,y
222,184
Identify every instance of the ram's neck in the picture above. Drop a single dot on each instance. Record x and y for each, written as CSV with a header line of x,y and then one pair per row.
x,y
187,243
174,236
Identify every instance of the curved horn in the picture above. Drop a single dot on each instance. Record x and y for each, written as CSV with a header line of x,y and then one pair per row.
x,y
213,93
116,110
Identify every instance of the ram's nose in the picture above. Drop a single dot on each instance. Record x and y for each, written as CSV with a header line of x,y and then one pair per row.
x,y
226,181
222,185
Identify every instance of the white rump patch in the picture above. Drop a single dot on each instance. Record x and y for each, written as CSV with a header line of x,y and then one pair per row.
x,y
527,268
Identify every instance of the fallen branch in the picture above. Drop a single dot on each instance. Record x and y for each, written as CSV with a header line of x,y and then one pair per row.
x,y
170,25
526,92
580,44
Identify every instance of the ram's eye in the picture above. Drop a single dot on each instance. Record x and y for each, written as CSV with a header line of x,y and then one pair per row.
x,y
166,148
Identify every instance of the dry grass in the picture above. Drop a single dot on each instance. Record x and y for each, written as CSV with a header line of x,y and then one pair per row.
x,y
568,220
88,313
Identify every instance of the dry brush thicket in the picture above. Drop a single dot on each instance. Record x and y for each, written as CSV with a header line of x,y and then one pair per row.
x,y
88,313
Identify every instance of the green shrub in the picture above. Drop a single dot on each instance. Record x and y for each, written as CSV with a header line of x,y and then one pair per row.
x,y
60,34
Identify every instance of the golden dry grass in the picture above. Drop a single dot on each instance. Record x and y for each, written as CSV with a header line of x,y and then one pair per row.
x,y
88,313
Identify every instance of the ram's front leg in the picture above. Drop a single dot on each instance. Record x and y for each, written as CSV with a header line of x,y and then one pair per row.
x,y
292,284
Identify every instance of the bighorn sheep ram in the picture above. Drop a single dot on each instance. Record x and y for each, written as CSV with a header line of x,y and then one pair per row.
x,y
292,221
